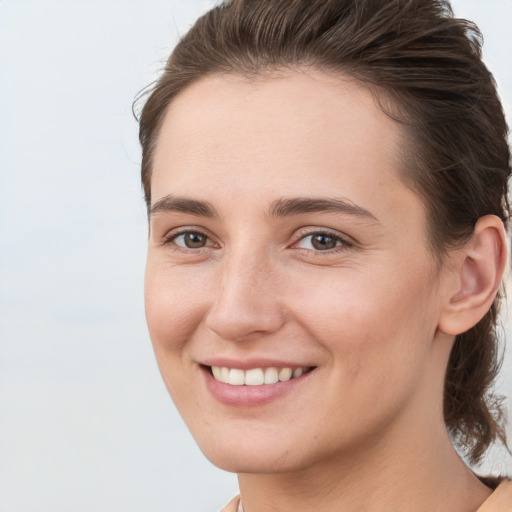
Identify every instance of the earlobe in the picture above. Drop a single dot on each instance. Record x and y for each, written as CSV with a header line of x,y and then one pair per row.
x,y
479,267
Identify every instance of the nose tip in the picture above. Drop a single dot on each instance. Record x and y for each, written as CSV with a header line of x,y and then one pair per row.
x,y
241,325
246,305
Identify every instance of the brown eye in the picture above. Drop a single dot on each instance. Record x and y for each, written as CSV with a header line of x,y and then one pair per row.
x,y
191,240
323,242
194,240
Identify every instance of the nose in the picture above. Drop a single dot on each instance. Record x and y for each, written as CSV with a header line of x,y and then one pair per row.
x,y
246,303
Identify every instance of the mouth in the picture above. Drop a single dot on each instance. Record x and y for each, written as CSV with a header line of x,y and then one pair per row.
x,y
256,376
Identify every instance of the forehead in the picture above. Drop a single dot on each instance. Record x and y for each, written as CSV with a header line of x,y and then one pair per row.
x,y
288,135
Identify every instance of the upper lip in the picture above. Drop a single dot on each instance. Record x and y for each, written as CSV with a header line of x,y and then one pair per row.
x,y
247,364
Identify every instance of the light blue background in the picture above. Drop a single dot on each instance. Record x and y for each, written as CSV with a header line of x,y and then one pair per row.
x,y
85,421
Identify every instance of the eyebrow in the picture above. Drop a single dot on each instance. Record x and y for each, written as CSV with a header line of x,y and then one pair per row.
x,y
283,207
295,206
171,203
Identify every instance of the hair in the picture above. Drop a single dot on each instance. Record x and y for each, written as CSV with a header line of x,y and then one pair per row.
x,y
425,69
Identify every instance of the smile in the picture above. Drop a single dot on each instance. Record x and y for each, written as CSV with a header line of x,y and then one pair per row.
x,y
256,376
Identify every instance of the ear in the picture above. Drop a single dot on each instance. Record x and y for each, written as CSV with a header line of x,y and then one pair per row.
x,y
477,269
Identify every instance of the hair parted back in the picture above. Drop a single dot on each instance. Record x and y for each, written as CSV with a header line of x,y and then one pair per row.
x,y
425,68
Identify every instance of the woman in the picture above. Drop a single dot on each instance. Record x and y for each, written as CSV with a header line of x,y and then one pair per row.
x,y
326,184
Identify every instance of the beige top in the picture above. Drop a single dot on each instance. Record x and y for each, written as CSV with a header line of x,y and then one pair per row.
x,y
499,501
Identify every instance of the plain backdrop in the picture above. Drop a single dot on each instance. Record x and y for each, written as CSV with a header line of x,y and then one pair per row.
x,y
85,421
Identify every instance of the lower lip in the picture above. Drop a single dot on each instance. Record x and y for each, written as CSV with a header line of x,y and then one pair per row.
x,y
250,396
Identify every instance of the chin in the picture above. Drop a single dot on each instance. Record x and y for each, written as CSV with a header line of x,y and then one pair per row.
x,y
252,463
248,454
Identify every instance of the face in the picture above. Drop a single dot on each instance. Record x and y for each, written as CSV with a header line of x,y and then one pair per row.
x,y
290,296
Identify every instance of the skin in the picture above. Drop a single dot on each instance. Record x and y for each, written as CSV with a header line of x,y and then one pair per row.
x,y
365,430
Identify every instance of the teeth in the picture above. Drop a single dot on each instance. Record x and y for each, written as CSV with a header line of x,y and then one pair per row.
x,y
271,376
217,372
236,377
255,376
285,374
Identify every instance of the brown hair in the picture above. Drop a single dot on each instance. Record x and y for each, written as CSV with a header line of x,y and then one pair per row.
x,y
426,67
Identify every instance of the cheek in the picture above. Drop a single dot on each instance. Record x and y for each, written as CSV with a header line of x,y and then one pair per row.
x,y
173,313
174,306
377,338
379,327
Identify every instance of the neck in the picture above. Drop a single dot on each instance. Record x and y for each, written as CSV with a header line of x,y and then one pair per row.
x,y
420,476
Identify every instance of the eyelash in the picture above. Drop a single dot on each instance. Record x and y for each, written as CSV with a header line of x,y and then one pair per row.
x,y
342,243
170,240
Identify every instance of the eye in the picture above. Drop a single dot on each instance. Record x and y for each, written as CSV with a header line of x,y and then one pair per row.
x,y
320,241
190,240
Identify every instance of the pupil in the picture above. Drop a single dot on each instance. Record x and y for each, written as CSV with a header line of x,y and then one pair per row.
x,y
194,240
323,242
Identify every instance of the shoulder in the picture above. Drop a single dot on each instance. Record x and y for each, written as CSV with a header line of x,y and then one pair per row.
x,y
500,500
